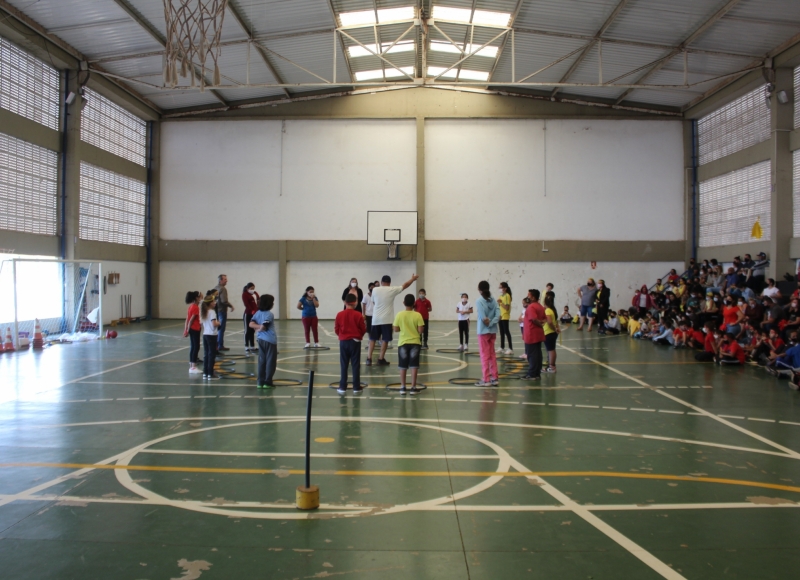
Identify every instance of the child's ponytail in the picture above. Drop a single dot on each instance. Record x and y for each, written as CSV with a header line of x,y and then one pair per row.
x,y
483,288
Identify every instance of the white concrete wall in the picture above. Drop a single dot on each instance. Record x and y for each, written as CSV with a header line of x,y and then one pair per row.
x,y
553,180
445,281
297,180
177,278
133,281
329,280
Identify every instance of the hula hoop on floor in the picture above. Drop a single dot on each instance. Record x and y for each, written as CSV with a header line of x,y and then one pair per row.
x,y
449,350
464,381
233,375
222,372
311,348
231,356
509,375
349,384
473,353
225,362
286,382
395,387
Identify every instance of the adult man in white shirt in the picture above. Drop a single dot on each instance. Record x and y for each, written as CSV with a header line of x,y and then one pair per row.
x,y
383,315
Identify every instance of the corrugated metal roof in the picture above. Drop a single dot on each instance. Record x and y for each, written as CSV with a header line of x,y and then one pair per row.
x,y
301,30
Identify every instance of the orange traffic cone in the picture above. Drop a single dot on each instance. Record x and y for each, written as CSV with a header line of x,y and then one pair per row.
x,y
9,344
38,341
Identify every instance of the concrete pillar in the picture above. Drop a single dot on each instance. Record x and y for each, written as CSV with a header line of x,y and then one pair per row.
x,y
782,203
71,166
283,281
154,272
421,202
690,227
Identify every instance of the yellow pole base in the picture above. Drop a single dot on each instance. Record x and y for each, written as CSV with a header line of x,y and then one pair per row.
x,y
307,497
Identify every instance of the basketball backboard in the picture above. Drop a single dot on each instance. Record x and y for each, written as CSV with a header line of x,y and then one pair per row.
x,y
392,227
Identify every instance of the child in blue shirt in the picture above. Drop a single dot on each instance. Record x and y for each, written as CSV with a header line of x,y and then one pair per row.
x,y
263,322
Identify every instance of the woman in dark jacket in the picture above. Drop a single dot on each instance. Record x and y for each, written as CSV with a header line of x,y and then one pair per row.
x,y
353,289
250,300
603,302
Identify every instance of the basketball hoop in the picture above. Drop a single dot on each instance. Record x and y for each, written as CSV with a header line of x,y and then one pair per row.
x,y
194,30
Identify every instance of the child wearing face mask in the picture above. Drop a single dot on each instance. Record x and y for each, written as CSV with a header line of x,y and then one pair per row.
x,y
308,303
566,317
463,309
250,300
521,319
424,307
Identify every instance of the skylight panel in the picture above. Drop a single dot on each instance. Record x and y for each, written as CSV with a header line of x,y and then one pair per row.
x,y
404,46
480,17
370,75
435,71
470,75
473,75
368,16
488,51
491,18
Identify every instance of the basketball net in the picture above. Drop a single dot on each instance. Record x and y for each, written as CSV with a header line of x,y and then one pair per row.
x,y
194,29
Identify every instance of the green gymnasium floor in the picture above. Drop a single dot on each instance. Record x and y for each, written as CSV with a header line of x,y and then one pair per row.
x,y
631,462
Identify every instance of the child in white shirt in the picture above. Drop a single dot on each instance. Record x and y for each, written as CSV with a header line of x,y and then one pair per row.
x,y
464,309
525,302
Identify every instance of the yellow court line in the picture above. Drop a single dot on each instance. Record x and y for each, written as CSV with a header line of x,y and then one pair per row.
x,y
612,474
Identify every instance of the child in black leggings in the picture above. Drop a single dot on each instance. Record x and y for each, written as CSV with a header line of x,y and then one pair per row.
x,y
464,309
504,302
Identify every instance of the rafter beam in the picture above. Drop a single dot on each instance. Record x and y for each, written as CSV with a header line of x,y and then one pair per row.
x,y
152,31
699,31
613,16
341,41
240,21
505,38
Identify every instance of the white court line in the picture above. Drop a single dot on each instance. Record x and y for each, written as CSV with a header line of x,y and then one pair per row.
x,y
450,421
319,455
695,408
613,534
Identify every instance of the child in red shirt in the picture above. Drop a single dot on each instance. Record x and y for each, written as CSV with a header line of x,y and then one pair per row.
x,y
423,306
350,328
191,328
730,353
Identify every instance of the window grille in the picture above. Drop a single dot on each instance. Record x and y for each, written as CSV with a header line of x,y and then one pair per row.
x,y
738,125
108,126
28,187
28,86
112,207
731,203
796,97
796,191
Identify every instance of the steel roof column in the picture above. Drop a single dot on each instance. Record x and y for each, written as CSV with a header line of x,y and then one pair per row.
x,y
421,202
71,173
782,120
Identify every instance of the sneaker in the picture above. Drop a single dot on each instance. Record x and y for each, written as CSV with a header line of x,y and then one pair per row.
x,y
523,356
549,370
205,376
424,347
530,378
268,386
403,391
483,384
316,345
308,345
414,391
341,391
213,377
508,351
498,350
368,362
466,347
357,391
494,383
461,347
382,362
195,371
223,348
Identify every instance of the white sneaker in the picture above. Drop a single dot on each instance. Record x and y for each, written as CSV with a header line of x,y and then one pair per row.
x,y
498,350
195,371
308,345
461,347
316,345
508,351
483,384
466,347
